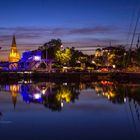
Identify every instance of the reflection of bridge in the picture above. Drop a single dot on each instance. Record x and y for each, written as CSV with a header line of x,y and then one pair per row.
x,y
46,93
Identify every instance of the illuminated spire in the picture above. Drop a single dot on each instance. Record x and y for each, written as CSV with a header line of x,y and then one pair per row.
x,y
14,54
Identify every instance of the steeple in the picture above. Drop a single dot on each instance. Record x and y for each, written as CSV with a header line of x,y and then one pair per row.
x,y
14,54
14,41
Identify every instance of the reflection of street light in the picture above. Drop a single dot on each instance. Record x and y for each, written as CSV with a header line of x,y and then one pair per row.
x,y
114,66
125,100
62,105
37,96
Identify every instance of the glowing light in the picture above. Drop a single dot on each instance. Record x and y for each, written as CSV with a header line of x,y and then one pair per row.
x,y
125,100
37,58
112,94
65,84
62,104
106,83
27,72
65,67
14,88
93,62
37,96
114,66
108,97
43,91
106,94
78,61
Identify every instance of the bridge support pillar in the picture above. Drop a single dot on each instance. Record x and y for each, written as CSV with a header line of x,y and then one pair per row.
x,y
49,66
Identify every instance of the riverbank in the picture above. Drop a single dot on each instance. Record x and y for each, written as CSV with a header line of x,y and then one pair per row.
x,y
15,76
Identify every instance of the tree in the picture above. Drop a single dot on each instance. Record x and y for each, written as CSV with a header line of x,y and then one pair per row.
x,y
50,48
115,56
63,56
75,56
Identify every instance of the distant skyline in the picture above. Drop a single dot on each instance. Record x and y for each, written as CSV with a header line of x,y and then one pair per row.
x,y
76,22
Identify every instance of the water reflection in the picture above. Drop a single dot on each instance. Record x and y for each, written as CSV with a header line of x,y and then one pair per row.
x,y
14,89
118,93
53,96
103,103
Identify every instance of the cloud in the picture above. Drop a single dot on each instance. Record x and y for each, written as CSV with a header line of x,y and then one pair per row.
x,y
58,30
91,42
93,30
92,39
36,36
5,37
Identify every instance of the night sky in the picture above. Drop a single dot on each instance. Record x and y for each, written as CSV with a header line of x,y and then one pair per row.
x,y
76,22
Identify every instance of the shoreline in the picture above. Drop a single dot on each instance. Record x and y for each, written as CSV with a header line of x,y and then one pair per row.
x,y
9,76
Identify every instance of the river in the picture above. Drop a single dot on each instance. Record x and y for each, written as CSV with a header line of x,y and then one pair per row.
x,y
102,110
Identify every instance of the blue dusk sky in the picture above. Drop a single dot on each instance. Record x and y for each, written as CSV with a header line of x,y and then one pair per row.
x,y
76,22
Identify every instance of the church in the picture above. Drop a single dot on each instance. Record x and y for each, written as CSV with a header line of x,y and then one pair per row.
x,y
14,55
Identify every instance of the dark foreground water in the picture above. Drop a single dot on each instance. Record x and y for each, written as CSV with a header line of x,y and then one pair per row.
x,y
70,111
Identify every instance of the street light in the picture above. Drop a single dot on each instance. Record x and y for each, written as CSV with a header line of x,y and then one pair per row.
x,y
124,58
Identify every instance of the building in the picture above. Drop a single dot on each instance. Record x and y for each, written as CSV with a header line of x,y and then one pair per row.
x,y
14,55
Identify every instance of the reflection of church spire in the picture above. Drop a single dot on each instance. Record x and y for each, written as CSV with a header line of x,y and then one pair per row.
x,y
14,91
14,99
14,54
0,115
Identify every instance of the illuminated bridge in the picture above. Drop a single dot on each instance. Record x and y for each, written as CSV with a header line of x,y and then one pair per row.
x,y
31,60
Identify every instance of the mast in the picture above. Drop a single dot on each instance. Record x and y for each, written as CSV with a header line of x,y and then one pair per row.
x,y
137,20
138,41
133,37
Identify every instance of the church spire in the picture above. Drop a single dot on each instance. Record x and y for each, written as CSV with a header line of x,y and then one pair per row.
x,y
14,40
14,54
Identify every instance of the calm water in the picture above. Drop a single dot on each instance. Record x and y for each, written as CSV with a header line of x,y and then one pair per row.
x,y
70,111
